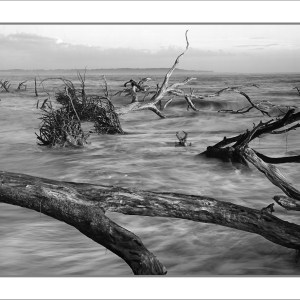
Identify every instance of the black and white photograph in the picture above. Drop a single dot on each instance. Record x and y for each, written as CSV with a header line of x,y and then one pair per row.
x,y
149,149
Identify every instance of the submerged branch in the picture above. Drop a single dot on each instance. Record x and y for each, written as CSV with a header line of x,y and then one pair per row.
x,y
83,206
64,202
287,202
278,160
272,173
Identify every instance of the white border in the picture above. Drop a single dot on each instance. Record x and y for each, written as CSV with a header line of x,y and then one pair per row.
x,y
150,288
150,11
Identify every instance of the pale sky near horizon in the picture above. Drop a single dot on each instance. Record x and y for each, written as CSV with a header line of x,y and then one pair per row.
x,y
219,48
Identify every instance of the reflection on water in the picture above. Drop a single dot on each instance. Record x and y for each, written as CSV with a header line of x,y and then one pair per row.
x,y
33,244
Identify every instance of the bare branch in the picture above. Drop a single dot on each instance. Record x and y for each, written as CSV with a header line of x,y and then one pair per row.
x,y
167,103
272,173
287,202
5,85
70,98
294,127
22,84
35,88
298,90
278,160
161,91
190,103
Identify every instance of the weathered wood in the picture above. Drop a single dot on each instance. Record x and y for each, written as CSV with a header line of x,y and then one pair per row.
x,y
272,173
240,152
237,143
83,206
35,88
5,85
22,84
63,202
278,160
287,202
162,91
195,208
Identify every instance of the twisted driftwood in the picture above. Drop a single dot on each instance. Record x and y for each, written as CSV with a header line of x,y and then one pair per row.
x,y
161,92
5,85
22,84
242,153
232,149
83,206
289,202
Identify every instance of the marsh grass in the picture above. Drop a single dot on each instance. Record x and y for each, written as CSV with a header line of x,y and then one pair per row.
x,y
93,108
59,128
62,127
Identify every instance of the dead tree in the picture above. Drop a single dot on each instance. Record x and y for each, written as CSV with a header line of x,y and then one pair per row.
x,y
135,88
83,206
162,91
241,152
182,139
35,88
298,90
231,149
264,107
5,85
22,84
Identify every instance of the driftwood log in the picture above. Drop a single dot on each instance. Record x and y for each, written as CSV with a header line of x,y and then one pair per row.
x,y
240,152
232,148
5,85
83,206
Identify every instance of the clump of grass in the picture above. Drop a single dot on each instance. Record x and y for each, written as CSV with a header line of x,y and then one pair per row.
x,y
60,128
93,108
105,119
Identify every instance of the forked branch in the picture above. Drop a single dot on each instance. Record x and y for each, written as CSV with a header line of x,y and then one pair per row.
x,y
161,92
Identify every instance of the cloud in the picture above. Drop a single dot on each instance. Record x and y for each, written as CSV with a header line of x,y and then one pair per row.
x,y
27,51
34,52
257,38
257,45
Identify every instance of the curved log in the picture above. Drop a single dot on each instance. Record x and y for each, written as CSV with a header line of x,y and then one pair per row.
x,y
83,206
62,201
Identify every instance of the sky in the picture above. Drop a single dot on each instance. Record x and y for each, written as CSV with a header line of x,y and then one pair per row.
x,y
218,48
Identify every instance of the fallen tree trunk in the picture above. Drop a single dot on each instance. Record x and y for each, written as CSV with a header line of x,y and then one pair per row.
x,y
62,201
83,206
242,153
232,149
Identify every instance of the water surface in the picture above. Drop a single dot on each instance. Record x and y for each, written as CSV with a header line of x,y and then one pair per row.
x,y
33,244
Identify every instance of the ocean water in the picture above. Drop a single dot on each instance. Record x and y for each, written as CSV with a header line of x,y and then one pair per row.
x,y
33,244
